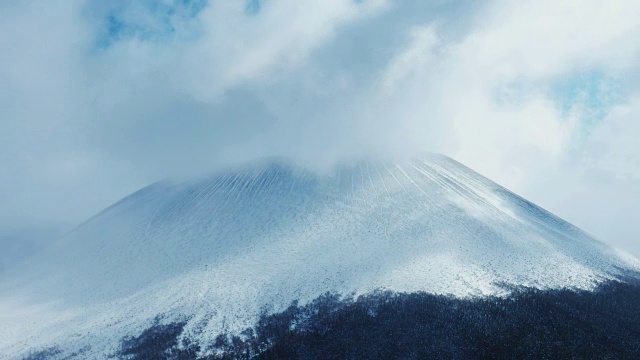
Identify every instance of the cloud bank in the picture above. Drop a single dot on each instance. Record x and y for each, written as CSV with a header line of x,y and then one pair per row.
x,y
100,98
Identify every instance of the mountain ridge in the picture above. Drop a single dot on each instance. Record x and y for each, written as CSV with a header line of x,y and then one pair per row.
x,y
222,249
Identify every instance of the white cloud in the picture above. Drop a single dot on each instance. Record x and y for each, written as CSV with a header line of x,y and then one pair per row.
x,y
486,100
320,81
223,46
614,142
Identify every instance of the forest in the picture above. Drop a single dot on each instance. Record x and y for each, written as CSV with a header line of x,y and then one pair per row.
x,y
529,324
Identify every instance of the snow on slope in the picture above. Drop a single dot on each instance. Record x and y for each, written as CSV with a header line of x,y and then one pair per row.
x,y
221,249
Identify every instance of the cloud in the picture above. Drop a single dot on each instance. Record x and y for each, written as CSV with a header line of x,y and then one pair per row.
x,y
100,98
93,109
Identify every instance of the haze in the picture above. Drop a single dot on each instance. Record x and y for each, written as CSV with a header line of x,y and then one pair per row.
x,y
98,99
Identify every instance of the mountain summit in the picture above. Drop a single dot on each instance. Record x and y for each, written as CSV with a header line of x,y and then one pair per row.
x,y
215,253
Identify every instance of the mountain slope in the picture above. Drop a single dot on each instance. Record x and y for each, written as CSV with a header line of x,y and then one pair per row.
x,y
222,249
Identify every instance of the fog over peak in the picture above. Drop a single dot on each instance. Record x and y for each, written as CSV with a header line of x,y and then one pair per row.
x,y
100,99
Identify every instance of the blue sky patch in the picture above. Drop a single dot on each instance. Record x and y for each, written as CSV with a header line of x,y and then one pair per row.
x,y
593,90
145,20
253,6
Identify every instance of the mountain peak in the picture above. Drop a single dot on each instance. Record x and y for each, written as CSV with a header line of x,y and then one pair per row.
x,y
218,249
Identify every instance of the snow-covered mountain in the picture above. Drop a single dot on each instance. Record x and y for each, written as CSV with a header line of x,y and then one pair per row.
x,y
219,251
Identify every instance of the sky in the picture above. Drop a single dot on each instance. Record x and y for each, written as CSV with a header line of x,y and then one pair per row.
x,y
100,98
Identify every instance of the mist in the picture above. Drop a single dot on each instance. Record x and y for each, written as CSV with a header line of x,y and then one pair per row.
x,y
100,99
